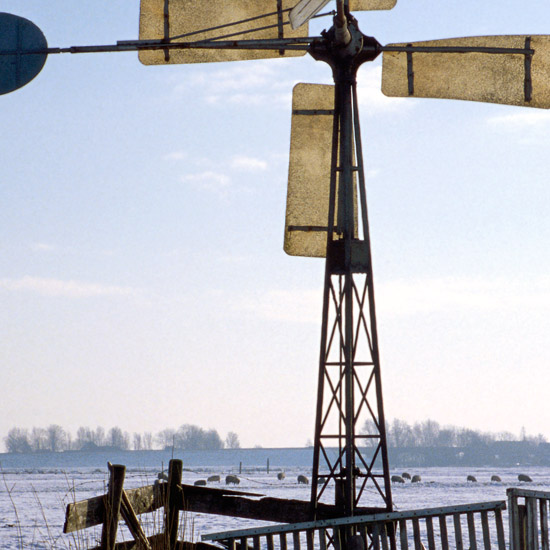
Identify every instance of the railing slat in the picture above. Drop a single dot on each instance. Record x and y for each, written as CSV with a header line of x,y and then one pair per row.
x,y
282,541
472,531
243,543
256,542
403,534
500,530
486,531
458,532
309,539
296,540
416,534
322,539
375,537
430,533
444,533
231,544
544,524
384,536
532,523
269,540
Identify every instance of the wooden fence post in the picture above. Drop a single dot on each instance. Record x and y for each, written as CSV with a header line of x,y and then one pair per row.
x,y
171,510
112,505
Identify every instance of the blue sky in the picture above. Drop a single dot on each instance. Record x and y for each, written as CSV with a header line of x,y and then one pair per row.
x,y
142,278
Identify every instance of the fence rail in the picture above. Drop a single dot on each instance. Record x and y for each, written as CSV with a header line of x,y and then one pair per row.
x,y
470,526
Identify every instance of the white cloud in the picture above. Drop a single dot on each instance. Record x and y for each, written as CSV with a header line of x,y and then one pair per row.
x,y
297,305
371,99
523,117
175,155
209,181
248,164
407,297
62,288
43,247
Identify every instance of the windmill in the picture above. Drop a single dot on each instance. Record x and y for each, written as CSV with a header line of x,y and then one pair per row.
x,y
327,206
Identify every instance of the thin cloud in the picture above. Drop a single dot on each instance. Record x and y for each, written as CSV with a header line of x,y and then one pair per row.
x,y
175,155
406,297
248,164
524,117
209,181
63,288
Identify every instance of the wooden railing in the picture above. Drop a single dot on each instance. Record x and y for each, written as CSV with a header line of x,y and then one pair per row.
x,y
528,518
443,528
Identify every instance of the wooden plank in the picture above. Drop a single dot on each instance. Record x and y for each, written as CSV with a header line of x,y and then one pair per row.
x,y
444,533
430,533
88,513
296,540
322,539
231,544
416,535
513,520
458,532
132,522
518,492
269,541
244,544
471,530
486,531
309,539
112,505
384,535
543,504
256,542
375,537
282,541
403,534
171,507
500,530
532,523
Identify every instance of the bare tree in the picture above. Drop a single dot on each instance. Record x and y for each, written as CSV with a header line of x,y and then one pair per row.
x,y
38,439
56,438
17,441
232,441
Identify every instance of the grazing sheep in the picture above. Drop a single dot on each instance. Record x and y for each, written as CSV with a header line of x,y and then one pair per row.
x,y
523,477
281,476
416,478
200,482
214,478
471,478
496,478
303,479
232,479
397,479
406,475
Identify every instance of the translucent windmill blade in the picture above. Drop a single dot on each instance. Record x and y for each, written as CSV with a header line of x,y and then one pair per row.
x,y
512,70
20,36
307,206
304,10
237,19
371,5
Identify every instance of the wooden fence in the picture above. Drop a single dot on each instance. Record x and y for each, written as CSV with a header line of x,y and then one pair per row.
x,y
470,527
528,519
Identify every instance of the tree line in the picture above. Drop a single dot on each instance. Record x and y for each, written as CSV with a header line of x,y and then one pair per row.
x,y
55,439
430,433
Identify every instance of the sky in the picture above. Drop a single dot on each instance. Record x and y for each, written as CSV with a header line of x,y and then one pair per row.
x,y
143,282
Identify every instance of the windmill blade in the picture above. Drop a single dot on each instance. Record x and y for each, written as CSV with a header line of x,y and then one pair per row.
x,y
304,10
190,20
371,5
512,70
307,206
20,36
